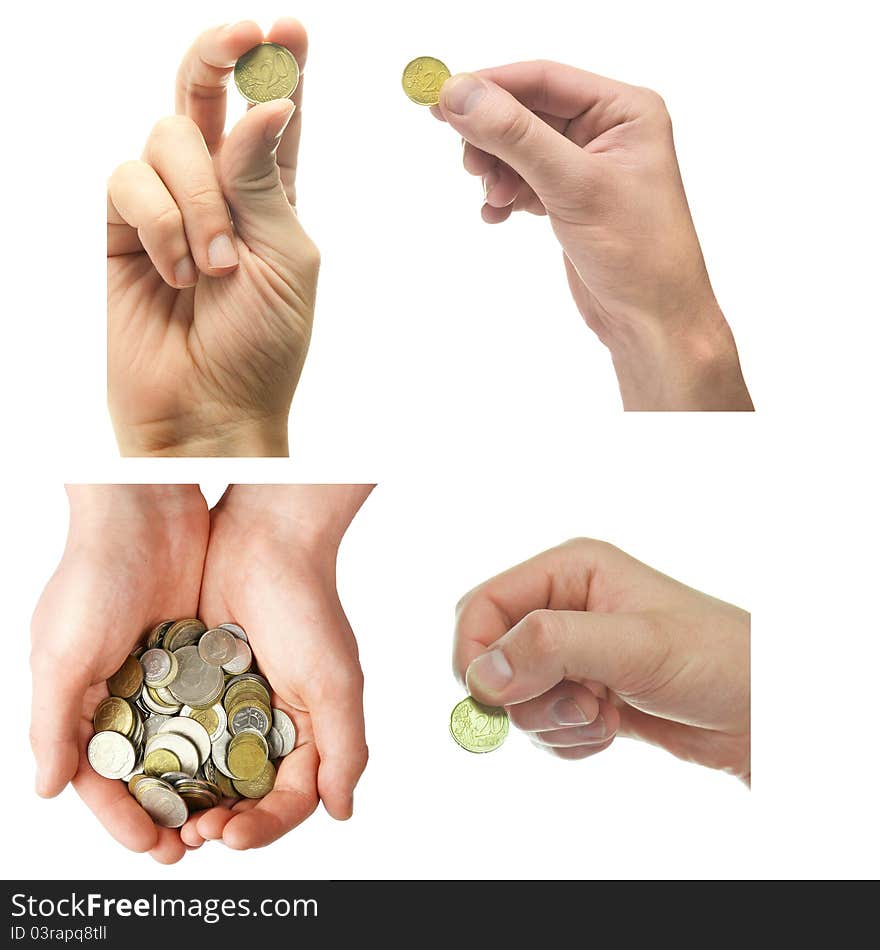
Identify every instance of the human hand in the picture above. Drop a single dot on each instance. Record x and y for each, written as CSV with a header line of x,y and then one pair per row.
x,y
583,643
134,557
271,566
209,318
597,157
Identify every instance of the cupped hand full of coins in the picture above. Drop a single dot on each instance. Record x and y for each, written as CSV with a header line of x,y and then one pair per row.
x,y
134,552
216,733
273,569
211,277
189,723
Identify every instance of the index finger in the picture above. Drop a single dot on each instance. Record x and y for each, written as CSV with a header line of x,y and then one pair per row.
x,y
204,75
553,579
555,88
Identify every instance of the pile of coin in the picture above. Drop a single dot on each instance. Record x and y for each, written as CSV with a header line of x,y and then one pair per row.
x,y
478,728
189,722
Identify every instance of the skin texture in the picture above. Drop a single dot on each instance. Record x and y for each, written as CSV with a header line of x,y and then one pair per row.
x,y
134,557
272,565
597,157
584,643
264,557
211,277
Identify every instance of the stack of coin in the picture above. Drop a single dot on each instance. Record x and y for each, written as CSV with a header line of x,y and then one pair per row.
x,y
189,722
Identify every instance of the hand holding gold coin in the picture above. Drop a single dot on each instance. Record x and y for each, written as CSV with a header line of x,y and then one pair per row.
x,y
211,277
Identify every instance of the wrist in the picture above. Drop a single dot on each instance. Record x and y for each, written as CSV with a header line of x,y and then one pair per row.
x,y
690,366
311,519
264,438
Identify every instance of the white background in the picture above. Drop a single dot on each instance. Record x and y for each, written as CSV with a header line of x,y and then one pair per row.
x,y
449,364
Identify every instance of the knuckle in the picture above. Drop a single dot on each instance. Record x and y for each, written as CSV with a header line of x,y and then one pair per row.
x,y
125,173
655,105
311,254
166,223
171,127
514,127
205,196
540,628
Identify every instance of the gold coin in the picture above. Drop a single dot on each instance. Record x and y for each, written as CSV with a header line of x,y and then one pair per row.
x,y
257,787
115,715
266,72
207,718
247,755
225,785
128,679
478,728
160,761
423,78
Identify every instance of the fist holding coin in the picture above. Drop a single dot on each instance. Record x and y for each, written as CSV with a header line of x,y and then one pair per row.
x,y
211,276
199,730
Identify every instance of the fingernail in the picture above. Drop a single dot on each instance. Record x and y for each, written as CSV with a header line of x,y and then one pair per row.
x,y
490,180
279,124
490,671
462,93
566,712
185,272
221,252
595,730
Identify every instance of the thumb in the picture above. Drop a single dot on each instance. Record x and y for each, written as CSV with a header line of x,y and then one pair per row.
x,y
250,176
56,714
621,651
493,120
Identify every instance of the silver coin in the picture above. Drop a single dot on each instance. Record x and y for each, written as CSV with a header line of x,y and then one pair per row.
x,y
138,767
218,754
242,660
275,743
153,724
283,723
218,646
164,806
235,630
249,718
207,770
186,752
192,730
172,777
155,706
159,667
111,754
197,684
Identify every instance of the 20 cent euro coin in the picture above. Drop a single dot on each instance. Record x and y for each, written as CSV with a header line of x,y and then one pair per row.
x,y
266,72
478,728
422,79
